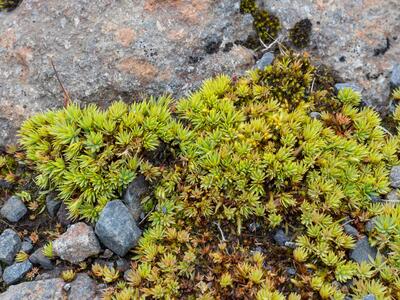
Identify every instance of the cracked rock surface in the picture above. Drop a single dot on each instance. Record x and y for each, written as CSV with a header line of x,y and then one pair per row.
x,y
106,49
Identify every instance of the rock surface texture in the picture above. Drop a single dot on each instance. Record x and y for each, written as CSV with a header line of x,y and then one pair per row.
x,y
10,244
13,209
360,39
83,288
108,48
117,234
77,243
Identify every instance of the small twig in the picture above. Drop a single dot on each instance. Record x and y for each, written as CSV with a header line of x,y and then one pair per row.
x,y
220,230
67,99
145,217
385,130
267,47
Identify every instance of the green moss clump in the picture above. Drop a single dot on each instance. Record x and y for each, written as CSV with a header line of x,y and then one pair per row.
x,y
89,156
248,6
243,152
300,34
267,25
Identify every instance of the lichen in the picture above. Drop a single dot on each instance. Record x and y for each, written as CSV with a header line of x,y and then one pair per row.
x,y
300,33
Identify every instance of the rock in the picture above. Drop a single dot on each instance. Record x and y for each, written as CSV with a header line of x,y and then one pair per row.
x,y
107,254
132,197
120,233
370,225
52,204
265,61
347,37
82,288
10,244
281,238
122,264
395,176
39,259
315,115
375,199
351,85
1,271
369,297
350,230
105,50
50,274
63,215
393,196
14,273
362,251
104,262
36,290
395,76
291,271
14,209
77,243
26,246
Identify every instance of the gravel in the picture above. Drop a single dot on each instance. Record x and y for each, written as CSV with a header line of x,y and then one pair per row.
x,y
10,244
13,209
16,272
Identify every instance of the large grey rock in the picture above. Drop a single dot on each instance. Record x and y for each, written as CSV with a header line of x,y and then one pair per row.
x,y
82,288
133,194
13,209
14,273
395,176
36,290
116,228
77,243
363,251
10,244
350,37
107,49
39,259
395,76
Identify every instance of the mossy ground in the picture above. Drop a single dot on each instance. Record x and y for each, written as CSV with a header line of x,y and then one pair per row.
x,y
236,160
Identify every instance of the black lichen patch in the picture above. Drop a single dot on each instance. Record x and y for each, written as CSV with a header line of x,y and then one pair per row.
x,y
212,45
9,5
300,34
228,47
382,50
251,42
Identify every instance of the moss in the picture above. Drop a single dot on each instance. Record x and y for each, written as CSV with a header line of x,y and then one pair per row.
x,y
266,24
240,152
248,6
300,33
8,5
